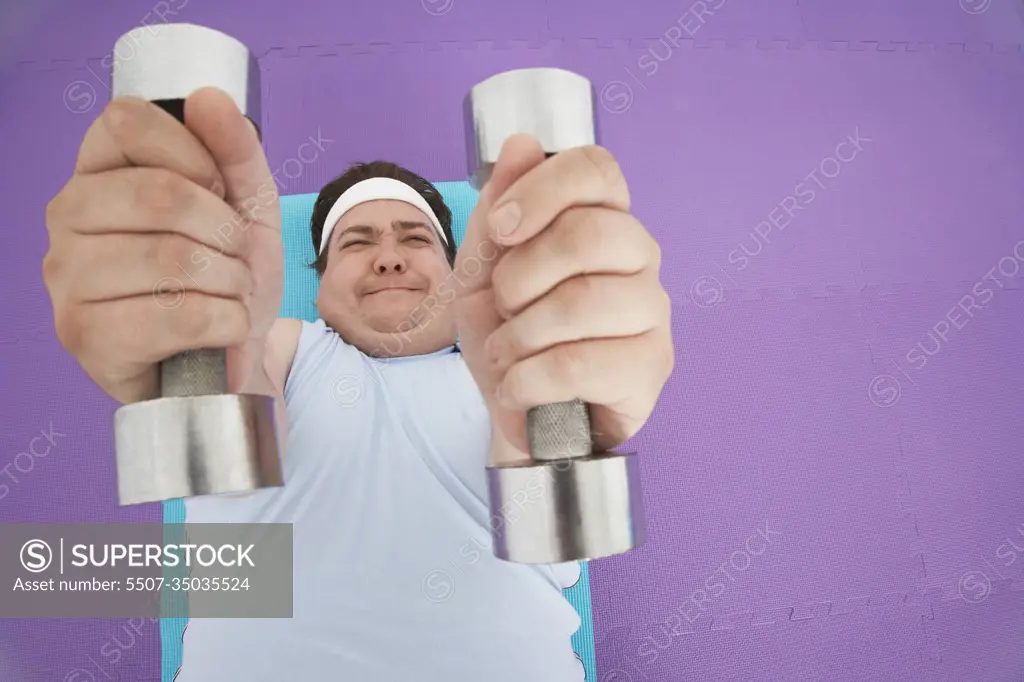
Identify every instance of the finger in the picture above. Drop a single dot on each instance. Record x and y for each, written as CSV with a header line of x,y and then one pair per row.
x,y
584,176
134,132
620,374
519,154
582,308
148,200
235,147
581,241
152,327
145,263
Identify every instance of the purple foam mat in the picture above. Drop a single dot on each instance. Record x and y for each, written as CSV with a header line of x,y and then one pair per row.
x,y
776,486
980,639
955,396
892,516
963,21
864,642
45,394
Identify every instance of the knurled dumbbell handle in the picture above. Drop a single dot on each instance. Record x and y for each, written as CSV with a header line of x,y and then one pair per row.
x,y
559,430
194,372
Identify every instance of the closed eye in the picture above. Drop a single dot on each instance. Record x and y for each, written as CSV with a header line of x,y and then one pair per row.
x,y
425,240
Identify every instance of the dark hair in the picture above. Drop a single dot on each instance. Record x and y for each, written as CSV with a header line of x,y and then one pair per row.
x,y
358,172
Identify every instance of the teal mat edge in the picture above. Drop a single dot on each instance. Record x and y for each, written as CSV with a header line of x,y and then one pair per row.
x,y
299,295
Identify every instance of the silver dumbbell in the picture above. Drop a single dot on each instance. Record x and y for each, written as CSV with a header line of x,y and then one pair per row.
x,y
569,503
196,438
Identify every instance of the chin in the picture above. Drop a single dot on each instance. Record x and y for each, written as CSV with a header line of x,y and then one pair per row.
x,y
394,324
396,316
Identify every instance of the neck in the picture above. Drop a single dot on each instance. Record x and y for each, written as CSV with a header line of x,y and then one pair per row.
x,y
415,335
429,337
402,345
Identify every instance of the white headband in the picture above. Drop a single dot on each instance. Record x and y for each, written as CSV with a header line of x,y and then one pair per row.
x,y
371,190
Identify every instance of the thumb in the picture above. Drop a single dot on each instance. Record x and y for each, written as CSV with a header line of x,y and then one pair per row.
x,y
249,188
519,154
213,117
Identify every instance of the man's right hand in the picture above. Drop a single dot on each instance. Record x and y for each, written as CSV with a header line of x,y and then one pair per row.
x,y
167,238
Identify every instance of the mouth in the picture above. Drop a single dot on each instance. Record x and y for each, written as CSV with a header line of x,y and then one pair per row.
x,y
387,289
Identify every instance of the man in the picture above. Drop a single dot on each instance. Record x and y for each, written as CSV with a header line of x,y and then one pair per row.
x,y
388,423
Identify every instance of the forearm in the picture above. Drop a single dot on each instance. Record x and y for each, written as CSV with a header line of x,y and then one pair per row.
x,y
273,367
257,382
260,383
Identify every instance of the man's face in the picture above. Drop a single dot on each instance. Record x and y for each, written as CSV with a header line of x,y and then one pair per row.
x,y
385,260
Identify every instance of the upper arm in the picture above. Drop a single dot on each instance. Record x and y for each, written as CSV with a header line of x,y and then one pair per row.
x,y
282,342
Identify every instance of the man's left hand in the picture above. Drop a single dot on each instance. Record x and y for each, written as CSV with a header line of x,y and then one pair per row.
x,y
561,296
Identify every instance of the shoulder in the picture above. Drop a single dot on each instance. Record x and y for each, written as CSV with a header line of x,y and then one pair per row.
x,y
299,351
288,337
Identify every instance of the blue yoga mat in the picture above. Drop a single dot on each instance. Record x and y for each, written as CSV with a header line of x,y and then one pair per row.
x,y
300,289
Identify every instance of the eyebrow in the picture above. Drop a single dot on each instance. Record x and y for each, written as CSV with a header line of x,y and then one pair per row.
x,y
406,225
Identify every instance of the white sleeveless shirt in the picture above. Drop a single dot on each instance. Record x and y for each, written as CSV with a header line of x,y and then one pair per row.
x,y
394,576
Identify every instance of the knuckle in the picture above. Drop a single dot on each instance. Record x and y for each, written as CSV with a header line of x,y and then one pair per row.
x,y
506,282
501,298
511,385
577,234
195,318
656,252
120,116
659,310
211,320
571,362
162,194
582,288
64,205
604,166
68,327
240,322
554,311
570,300
666,304
668,364
167,252
236,275
51,269
53,211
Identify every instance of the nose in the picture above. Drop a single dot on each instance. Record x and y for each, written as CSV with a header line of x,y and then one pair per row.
x,y
388,260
